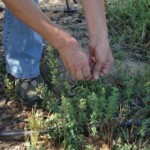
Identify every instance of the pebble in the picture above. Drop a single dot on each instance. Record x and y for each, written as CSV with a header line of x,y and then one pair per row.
x,y
21,125
2,101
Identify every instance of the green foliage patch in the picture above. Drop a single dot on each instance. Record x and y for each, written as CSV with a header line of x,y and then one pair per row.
x,y
129,25
92,110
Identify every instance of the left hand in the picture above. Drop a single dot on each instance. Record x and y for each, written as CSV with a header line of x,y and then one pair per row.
x,y
101,59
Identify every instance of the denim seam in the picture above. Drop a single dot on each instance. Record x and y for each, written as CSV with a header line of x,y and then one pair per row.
x,y
8,32
7,24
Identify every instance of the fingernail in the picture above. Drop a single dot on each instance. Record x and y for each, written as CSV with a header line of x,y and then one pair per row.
x,y
102,74
106,71
96,76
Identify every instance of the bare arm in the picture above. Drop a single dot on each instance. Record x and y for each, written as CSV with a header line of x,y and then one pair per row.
x,y
98,37
95,18
29,13
72,55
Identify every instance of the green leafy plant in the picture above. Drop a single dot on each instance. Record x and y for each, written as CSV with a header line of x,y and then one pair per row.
x,y
10,88
35,122
129,26
93,110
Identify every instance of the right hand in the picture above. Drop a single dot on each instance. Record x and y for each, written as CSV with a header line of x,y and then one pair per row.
x,y
75,61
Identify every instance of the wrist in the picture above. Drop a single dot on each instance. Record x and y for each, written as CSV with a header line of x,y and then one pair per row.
x,y
94,40
67,44
58,38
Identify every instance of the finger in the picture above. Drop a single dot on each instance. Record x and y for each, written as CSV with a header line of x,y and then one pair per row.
x,y
92,55
87,73
106,68
72,73
105,71
92,52
96,70
91,63
79,74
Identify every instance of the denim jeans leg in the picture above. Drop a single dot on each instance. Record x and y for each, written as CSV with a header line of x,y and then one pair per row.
x,y
22,47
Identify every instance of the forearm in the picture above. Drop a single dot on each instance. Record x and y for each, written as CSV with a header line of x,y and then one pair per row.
x,y
95,18
29,13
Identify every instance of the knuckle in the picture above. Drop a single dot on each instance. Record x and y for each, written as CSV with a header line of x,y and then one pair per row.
x,y
85,63
99,61
80,79
71,66
111,61
88,77
102,62
97,67
79,64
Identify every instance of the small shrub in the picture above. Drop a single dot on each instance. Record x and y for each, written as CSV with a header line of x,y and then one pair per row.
x,y
130,26
94,109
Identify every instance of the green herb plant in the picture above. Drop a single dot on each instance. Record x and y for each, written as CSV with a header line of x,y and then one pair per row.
x,y
85,111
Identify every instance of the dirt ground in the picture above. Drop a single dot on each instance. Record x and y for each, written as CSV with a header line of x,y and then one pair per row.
x,y
12,113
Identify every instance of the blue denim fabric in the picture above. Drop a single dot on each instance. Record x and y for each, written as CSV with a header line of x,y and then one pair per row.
x,y
22,48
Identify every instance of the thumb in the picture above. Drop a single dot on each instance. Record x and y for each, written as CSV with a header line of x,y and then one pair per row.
x,y
96,70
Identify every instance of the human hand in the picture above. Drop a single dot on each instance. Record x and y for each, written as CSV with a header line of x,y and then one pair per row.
x,y
75,61
101,59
